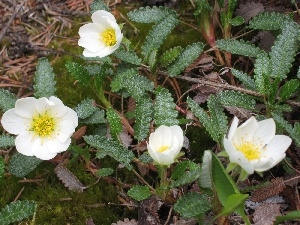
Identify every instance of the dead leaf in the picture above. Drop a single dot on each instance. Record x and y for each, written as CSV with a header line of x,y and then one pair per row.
x,y
266,213
79,133
126,222
249,10
69,179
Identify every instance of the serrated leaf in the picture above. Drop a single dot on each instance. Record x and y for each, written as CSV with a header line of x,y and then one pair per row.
x,y
189,54
205,179
98,5
288,89
44,83
145,158
20,165
158,34
237,21
128,56
187,177
244,78
96,117
100,75
143,116
170,55
79,72
150,14
104,172
239,47
7,100
284,50
85,108
225,186
164,108
139,192
7,141
114,122
238,99
130,80
192,205
152,60
268,21
69,179
110,147
17,211
262,72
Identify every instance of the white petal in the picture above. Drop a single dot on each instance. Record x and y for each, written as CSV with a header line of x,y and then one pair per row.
x,y
233,127
245,131
55,146
152,153
24,142
91,43
178,137
58,109
40,150
90,29
265,132
102,16
14,123
278,145
161,137
66,129
25,107
164,159
71,115
42,105
263,164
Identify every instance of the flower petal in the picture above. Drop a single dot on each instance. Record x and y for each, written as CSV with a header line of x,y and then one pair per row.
x,y
263,164
102,16
245,131
265,132
14,123
24,143
40,150
233,127
279,144
91,29
25,107
58,109
55,146
91,43
65,130
164,159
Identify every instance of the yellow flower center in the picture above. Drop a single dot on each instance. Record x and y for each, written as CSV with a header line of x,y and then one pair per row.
x,y
163,148
43,125
109,37
250,150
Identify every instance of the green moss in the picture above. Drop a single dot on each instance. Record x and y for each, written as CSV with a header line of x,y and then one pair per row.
x,y
58,205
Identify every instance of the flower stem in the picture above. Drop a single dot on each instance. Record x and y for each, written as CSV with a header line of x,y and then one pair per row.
x,y
164,184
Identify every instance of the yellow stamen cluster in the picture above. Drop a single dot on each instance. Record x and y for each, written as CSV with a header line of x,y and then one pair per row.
x,y
250,150
43,125
163,148
109,37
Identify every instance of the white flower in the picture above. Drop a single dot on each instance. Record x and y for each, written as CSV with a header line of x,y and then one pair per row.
x,y
43,127
254,145
102,37
165,144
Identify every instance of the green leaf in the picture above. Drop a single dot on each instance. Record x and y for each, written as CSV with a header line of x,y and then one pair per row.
x,y
150,14
293,215
238,99
215,130
181,168
152,60
205,179
79,72
139,192
288,89
21,165
98,5
233,202
146,158
284,50
17,211
130,80
85,108
262,72
192,205
237,21
170,55
143,117
225,186
99,74
44,83
2,167
190,172
7,100
239,47
7,141
244,78
114,122
164,108
298,73
268,21
111,148
189,54
105,172
96,117
128,56
158,34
